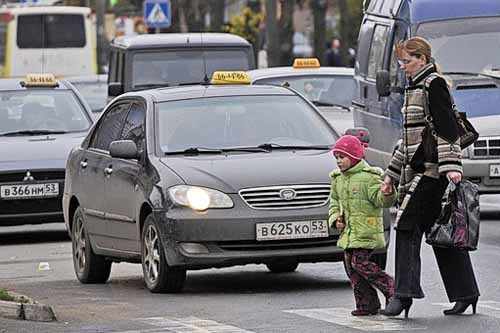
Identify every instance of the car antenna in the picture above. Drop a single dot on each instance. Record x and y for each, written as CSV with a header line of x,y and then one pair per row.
x,y
205,79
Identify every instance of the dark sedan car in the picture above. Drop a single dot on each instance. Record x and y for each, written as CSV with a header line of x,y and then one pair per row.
x,y
201,176
41,119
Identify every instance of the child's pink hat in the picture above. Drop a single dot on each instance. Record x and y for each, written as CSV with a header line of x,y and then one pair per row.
x,y
350,146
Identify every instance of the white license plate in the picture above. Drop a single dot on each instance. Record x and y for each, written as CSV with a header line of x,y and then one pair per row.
x,y
292,230
495,170
27,191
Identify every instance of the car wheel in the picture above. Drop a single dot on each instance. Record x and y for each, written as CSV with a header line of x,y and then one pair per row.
x,y
380,259
158,275
282,267
89,267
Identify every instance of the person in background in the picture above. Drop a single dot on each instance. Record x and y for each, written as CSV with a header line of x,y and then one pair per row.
x,y
334,54
423,167
356,202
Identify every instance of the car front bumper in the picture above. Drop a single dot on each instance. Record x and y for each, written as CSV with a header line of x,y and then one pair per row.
x,y
227,237
478,171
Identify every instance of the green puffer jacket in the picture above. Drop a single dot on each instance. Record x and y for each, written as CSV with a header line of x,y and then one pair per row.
x,y
356,194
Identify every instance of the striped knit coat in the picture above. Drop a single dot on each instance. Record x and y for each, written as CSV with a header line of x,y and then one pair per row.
x,y
411,151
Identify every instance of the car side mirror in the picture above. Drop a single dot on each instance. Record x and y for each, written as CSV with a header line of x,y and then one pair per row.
x,y
126,149
383,82
361,133
115,89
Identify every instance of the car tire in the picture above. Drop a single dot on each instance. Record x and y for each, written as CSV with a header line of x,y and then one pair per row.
x,y
158,275
89,267
282,267
380,259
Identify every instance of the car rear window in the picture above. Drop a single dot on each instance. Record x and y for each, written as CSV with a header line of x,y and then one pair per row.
x,y
176,67
50,31
334,89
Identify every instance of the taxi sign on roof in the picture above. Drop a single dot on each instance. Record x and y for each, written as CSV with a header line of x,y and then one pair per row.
x,y
306,63
40,80
230,77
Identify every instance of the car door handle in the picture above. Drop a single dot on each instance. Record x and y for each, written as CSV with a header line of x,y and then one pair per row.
x,y
108,171
83,164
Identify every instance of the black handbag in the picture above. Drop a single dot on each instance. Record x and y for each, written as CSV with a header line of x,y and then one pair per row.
x,y
458,224
466,132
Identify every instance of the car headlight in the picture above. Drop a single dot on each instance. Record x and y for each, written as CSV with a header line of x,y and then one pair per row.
x,y
199,198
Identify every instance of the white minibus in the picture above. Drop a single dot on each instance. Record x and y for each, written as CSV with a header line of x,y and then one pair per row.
x,y
50,39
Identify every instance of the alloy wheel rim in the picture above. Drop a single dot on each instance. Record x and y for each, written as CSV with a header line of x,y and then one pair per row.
x,y
152,254
80,244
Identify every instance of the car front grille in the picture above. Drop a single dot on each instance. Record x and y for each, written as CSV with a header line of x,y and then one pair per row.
x,y
16,177
486,148
32,205
286,197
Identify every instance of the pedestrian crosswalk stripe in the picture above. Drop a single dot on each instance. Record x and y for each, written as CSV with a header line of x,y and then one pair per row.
x,y
489,308
189,324
343,317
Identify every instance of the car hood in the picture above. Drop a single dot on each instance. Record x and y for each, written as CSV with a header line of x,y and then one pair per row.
x,y
486,126
39,151
230,173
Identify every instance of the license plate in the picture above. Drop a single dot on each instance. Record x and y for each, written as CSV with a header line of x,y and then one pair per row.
x,y
27,191
495,170
292,230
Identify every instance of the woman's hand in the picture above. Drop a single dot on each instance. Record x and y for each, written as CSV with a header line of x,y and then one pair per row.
x,y
387,185
454,176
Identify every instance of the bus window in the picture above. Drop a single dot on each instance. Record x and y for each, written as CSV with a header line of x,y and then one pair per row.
x,y
50,31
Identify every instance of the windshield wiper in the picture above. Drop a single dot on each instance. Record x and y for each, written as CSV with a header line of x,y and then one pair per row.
x,y
194,151
205,150
322,103
32,132
270,146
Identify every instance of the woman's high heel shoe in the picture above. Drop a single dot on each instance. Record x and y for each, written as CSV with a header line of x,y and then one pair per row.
x,y
461,306
397,306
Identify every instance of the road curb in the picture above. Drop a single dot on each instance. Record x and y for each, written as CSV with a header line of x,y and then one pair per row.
x,y
32,310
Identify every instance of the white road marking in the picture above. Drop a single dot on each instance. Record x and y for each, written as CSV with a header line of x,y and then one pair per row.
x,y
342,316
489,308
185,325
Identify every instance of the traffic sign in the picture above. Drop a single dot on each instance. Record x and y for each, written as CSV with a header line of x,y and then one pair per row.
x,y
157,13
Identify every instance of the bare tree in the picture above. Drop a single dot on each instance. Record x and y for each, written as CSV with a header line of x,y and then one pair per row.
x,y
286,32
319,12
216,15
272,37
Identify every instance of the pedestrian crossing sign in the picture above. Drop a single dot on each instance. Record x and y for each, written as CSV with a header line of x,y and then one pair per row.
x,y
157,13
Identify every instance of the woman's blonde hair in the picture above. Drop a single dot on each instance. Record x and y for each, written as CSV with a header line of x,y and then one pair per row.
x,y
416,47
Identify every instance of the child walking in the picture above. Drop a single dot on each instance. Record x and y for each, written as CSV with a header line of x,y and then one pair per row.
x,y
356,202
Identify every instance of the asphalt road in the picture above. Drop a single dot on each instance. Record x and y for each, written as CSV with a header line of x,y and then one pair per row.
x,y
316,298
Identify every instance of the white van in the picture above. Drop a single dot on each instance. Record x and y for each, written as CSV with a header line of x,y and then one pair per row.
x,y
50,39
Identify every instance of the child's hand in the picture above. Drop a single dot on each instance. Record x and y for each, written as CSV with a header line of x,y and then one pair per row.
x,y
386,188
339,224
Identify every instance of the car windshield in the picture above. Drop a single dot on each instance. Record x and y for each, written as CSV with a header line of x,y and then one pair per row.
x,y
176,67
478,102
464,45
240,121
325,89
41,109
95,93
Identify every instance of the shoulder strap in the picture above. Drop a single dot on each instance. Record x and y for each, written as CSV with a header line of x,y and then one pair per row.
x,y
428,117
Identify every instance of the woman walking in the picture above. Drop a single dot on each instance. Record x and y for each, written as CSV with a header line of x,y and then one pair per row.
x,y
423,166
